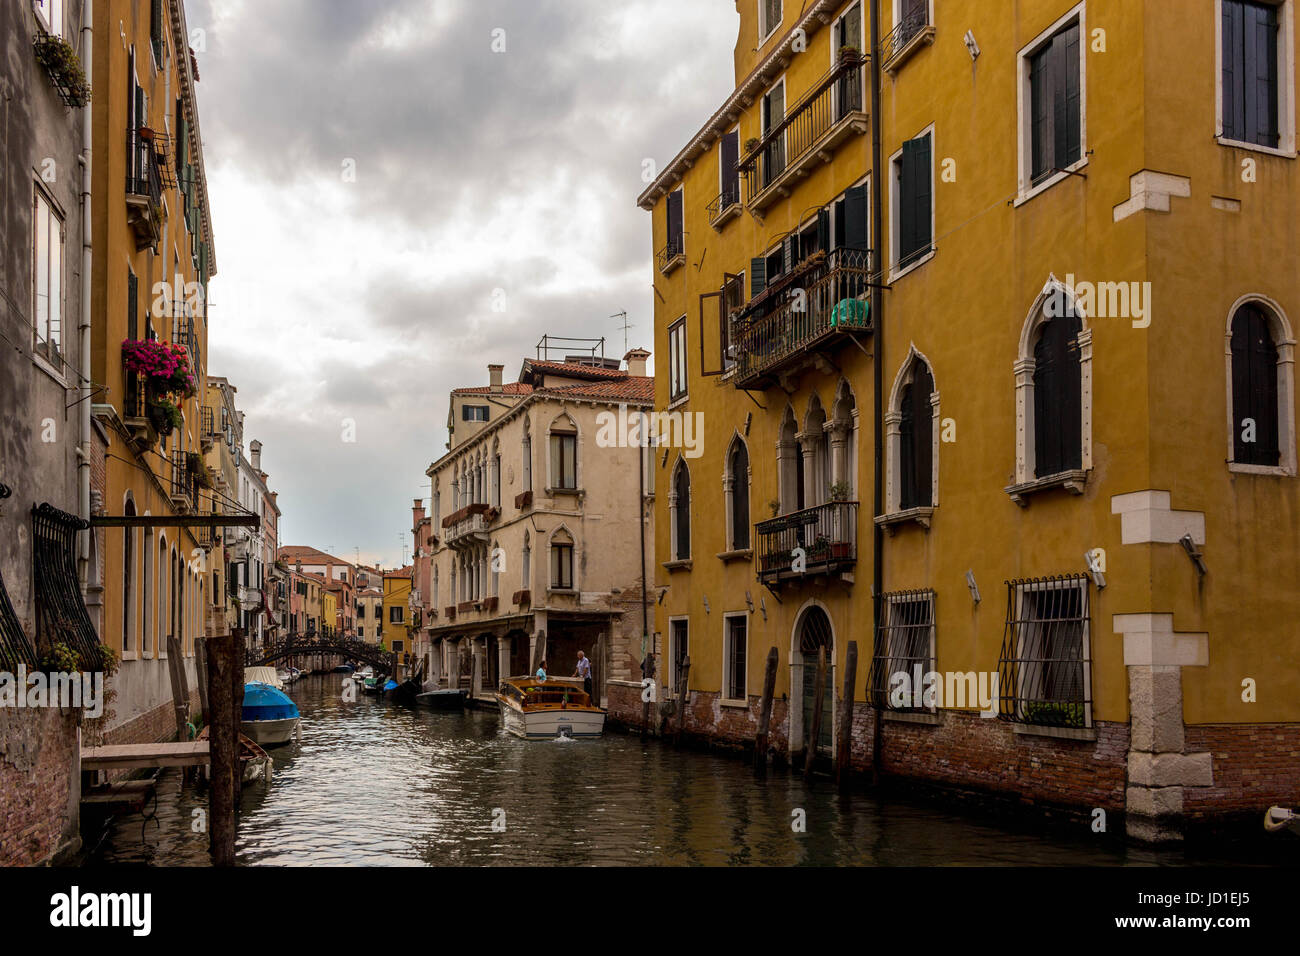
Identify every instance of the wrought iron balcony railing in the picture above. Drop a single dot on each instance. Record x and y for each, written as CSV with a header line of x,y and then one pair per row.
x,y
666,257
903,33
816,307
183,488
830,112
725,204
818,540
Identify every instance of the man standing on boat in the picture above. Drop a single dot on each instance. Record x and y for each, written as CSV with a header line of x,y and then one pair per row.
x,y
584,671
541,671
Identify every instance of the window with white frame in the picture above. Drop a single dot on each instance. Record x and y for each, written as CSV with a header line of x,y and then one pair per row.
x,y
736,491
1261,400
912,438
564,455
1045,665
562,561
1053,103
50,14
47,274
769,19
677,360
735,653
912,201
772,114
1256,73
679,504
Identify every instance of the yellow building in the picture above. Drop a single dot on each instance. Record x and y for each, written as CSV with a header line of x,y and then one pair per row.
x,y
370,615
329,611
1079,297
397,614
153,257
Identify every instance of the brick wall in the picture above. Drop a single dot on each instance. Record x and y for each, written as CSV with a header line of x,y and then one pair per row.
x,y
37,750
1255,767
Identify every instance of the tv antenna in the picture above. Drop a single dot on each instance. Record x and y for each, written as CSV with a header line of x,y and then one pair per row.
x,y
625,326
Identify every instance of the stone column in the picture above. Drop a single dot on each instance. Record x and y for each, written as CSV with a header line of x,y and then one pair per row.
x,y
786,475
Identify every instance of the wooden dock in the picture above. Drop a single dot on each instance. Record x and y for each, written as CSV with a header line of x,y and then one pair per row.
x,y
188,753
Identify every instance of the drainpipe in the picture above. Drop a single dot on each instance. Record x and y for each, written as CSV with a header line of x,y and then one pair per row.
x,y
878,381
83,328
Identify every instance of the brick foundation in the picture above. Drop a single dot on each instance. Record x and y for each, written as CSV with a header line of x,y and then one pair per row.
x,y
39,786
1255,767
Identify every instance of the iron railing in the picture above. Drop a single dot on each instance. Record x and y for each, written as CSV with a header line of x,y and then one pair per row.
x,y
1045,667
15,646
904,645
833,98
61,616
729,197
207,426
182,481
902,34
817,540
826,300
144,171
675,247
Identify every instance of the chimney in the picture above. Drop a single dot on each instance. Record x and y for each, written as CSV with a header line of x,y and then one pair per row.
x,y
417,513
636,362
255,454
494,378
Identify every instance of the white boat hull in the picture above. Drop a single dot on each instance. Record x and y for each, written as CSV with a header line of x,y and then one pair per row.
x,y
548,724
270,732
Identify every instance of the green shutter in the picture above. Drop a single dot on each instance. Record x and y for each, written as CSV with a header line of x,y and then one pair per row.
x,y
757,276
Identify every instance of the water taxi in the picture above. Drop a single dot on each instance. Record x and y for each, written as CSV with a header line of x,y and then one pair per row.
x,y
540,710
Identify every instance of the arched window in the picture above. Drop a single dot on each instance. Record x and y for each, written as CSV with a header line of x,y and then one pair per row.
x,y
789,463
128,583
1254,388
915,434
564,453
562,560
679,503
1053,396
814,457
495,499
736,490
495,569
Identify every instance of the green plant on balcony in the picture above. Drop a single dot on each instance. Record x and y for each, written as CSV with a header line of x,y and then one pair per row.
x,y
774,506
1054,713
165,416
62,64
840,491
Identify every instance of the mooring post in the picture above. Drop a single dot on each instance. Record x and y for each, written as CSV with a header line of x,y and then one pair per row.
x,y
815,727
844,738
201,672
180,696
681,699
765,712
221,750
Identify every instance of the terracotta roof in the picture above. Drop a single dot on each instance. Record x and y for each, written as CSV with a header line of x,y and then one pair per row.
x,y
309,555
574,369
638,389
510,388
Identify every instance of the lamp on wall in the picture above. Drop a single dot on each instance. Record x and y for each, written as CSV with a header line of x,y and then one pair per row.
x,y
974,588
971,45
1094,568
706,605
749,602
1194,553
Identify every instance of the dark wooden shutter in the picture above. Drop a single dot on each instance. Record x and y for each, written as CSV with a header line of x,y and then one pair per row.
x,y
922,436
132,305
729,154
1233,69
855,218
1042,97
718,311
757,276
824,230
1261,75
914,200
1058,429
674,208
1254,388
740,497
1065,104
683,516
789,252
907,450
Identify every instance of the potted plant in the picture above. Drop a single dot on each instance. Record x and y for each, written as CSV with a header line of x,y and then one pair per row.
x,y
848,53
839,491
774,506
63,66
751,144
165,416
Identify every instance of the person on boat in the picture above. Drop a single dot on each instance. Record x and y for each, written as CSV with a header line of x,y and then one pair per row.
x,y
583,670
541,671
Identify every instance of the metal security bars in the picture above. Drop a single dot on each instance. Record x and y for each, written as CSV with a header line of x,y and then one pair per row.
x,y
15,646
61,616
904,645
1045,668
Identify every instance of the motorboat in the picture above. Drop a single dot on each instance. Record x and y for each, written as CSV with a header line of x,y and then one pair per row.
x,y
444,699
296,674
284,676
545,709
270,717
344,669
264,675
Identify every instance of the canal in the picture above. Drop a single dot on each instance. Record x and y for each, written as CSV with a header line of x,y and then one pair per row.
x,y
374,783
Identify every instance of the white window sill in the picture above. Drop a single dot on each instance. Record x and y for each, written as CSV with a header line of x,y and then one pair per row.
x,y
562,591
908,717
1071,481
743,554
673,263
1049,182
1276,471
736,703
922,37
921,516
896,273
1063,733
681,564
1256,148
679,401
45,366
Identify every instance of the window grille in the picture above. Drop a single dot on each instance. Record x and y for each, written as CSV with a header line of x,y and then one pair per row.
x,y
1045,668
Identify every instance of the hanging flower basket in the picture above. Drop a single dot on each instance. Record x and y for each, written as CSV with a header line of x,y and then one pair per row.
x,y
165,417
63,66
165,366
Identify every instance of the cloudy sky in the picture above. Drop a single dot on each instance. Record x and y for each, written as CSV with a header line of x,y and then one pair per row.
x,y
377,172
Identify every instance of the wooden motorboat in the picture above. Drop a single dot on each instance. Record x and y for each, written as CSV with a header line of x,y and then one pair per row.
x,y
254,762
542,710
445,699
270,717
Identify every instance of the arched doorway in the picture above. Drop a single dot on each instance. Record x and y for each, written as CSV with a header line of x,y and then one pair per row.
x,y
814,634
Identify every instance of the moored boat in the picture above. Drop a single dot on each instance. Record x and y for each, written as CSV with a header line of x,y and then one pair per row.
x,y
263,675
444,699
540,710
270,717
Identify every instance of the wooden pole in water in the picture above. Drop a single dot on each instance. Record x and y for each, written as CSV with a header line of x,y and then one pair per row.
x,y
815,728
201,670
681,699
222,753
180,693
765,712
844,738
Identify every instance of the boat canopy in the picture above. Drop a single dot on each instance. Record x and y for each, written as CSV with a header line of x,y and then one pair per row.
x,y
264,702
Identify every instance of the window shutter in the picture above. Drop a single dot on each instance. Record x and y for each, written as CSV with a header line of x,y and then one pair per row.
x,y
914,200
789,253
730,150
740,498
1058,436
1065,100
1254,388
757,276
824,230
922,434
907,450
1233,69
674,208
1261,79
855,218
132,305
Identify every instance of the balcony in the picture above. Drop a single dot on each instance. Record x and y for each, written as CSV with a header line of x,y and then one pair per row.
x,y
827,535
724,206
831,113
208,433
146,175
780,332
471,529
912,32
671,256
135,413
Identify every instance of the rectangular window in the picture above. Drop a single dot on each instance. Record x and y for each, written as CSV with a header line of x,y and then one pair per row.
x,y
474,413
733,302
1045,667
904,643
769,18
773,114
395,615
47,276
728,173
398,645
914,200
1055,104
735,654
677,359
562,566
677,652
50,13
564,460
1250,72
674,228
156,30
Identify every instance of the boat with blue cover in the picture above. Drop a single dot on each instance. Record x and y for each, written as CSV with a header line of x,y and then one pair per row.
x,y
270,716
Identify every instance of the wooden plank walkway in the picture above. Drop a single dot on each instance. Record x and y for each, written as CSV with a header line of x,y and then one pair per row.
x,y
189,753
130,793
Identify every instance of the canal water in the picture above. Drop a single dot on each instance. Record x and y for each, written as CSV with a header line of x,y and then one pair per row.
x,y
375,783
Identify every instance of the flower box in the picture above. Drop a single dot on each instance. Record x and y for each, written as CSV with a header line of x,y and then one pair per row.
x,y
523,598
61,63
450,612
490,604
523,500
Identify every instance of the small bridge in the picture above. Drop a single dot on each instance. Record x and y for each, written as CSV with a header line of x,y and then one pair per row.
x,y
307,645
